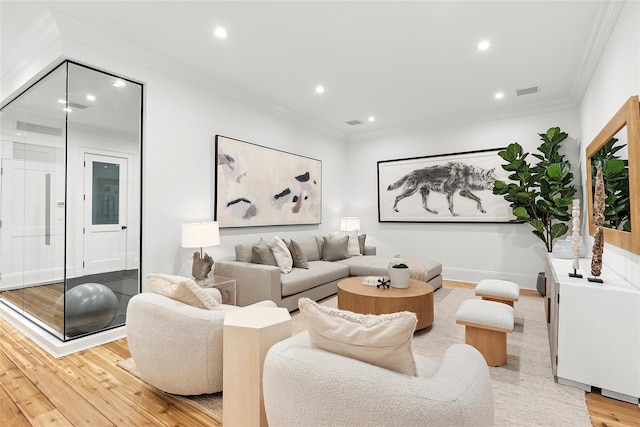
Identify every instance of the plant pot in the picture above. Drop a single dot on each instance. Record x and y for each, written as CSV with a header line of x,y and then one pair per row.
x,y
399,277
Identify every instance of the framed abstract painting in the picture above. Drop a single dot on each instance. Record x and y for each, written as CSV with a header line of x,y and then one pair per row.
x,y
261,186
445,188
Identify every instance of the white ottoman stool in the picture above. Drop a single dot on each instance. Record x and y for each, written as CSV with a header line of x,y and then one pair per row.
x,y
498,290
486,326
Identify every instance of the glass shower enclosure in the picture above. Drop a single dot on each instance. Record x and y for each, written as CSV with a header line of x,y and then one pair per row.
x,y
70,200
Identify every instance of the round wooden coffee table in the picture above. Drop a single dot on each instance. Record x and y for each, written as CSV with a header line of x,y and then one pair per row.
x,y
359,298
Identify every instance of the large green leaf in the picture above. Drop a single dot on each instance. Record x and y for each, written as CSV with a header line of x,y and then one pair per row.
x,y
558,229
537,224
499,187
521,213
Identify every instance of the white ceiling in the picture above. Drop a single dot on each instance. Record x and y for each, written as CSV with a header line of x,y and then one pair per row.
x,y
407,63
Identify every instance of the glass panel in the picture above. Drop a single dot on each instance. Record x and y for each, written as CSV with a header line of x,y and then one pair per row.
x,y
33,201
105,204
104,136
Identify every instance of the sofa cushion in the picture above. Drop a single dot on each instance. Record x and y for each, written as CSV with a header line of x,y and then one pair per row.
x,y
297,254
361,244
244,252
182,289
383,340
309,246
281,254
262,253
335,248
374,265
353,246
319,273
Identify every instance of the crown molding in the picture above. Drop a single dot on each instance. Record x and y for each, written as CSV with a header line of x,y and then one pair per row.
x,y
21,62
606,22
73,30
465,119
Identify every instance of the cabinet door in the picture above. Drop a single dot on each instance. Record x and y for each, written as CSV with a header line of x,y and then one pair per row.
x,y
598,337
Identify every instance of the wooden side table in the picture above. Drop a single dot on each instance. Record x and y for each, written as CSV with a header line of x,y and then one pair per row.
x,y
359,298
226,286
249,333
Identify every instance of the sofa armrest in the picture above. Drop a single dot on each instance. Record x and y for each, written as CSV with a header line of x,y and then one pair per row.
x,y
254,282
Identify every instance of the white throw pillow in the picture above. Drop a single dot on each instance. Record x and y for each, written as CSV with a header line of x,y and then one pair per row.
x,y
183,289
383,340
281,254
353,247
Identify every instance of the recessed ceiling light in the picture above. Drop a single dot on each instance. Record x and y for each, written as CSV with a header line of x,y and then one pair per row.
x,y
372,119
68,110
499,95
118,83
62,101
220,33
319,89
484,45
91,97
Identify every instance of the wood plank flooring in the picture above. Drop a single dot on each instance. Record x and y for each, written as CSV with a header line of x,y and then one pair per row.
x,y
87,388
82,389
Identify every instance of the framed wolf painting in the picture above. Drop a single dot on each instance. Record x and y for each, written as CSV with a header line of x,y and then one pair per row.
x,y
446,188
260,186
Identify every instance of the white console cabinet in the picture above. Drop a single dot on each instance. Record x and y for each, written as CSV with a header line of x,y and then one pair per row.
x,y
594,330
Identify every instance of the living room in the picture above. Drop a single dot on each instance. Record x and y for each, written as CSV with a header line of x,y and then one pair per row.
x,y
184,109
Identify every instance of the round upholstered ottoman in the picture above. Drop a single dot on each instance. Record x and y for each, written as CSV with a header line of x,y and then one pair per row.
x,y
89,307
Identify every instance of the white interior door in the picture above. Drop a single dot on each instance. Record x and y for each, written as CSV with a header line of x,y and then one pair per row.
x,y
105,213
32,228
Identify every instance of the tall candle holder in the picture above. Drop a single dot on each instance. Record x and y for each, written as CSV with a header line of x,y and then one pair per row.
x,y
575,238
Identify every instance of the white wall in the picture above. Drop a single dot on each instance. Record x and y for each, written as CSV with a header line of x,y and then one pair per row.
x,y
468,252
615,80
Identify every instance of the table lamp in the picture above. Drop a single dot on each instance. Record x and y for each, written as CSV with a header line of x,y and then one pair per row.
x,y
200,235
349,223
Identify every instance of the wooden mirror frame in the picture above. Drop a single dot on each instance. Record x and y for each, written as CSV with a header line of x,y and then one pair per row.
x,y
629,116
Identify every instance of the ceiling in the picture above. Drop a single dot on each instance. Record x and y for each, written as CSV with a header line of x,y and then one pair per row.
x,y
406,63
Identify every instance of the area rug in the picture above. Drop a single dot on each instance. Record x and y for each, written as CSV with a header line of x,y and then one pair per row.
x,y
525,393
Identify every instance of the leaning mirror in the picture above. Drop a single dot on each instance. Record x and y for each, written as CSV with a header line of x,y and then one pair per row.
x,y
616,148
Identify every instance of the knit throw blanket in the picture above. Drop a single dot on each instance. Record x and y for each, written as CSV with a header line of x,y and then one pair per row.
x,y
417,270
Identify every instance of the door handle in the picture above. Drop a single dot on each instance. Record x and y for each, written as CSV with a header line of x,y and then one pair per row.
x,y
124,227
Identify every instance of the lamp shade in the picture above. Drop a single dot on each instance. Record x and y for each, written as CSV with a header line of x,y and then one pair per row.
x,y
200,234
349,223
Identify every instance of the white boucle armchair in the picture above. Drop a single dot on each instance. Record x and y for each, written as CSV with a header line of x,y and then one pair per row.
x,y
304,385
176,347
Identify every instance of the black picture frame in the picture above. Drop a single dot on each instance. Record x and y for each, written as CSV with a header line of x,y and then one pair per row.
x,y
261,186
465,179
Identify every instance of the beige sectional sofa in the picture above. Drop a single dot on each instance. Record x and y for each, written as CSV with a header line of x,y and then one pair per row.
x,y
257,282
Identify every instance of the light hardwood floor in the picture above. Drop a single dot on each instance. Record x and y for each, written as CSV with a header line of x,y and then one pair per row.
x,y
87,388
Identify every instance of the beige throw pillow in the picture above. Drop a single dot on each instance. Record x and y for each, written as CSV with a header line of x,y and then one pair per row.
x,y
297,254
361,240
182,289
353,246
281,254
262,253
335,248
383,340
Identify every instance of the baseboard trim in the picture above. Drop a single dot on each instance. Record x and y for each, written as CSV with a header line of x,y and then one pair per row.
x,y
525,281
52,345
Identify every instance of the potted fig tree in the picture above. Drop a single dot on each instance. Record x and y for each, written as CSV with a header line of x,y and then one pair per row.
x,y
541,193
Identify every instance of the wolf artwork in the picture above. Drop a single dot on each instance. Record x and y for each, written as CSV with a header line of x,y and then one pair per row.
x,y
447,179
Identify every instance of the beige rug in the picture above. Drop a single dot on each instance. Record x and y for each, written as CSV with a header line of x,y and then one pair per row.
x,y
524,391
